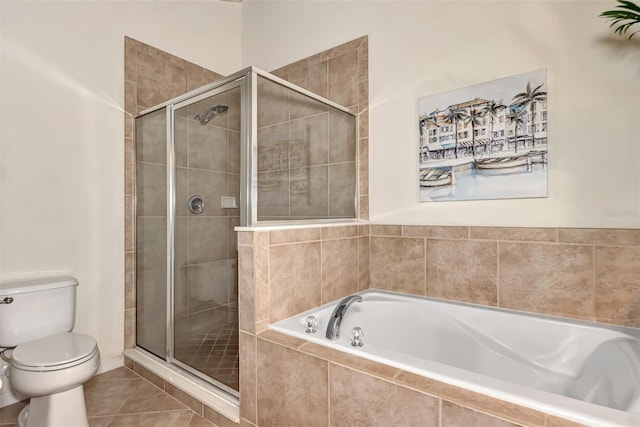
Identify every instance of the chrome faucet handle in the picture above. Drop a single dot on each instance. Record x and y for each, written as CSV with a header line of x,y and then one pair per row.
x,y
356,337
311,324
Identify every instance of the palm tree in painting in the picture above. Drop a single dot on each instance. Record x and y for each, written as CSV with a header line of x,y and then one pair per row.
x,y
426,121
530,98
516,117
491,109
454,115
474,118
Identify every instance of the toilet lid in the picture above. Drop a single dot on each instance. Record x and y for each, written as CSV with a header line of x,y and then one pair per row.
x,y
56,350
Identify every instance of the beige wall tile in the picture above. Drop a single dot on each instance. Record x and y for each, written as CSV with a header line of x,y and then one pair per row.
x,y
129,328
261,272
358,399
129,224
600,236
308,189
151,189
343,79
292,236
363,124
458,416
342,190
130,60
363,208
208,285
398,264
130,94
294,279
363,166
282,339
208,147
364,230
309,141
462,270
532,234
546,278
248,385
499,408
129,166
272,101
339,269
339,232
151,243
363,59
292,387
363,263
246,289
160,78
363,96
245,238
273,201
342,137
618,285
204,246
386,230
435,232
354,362
151,138
311,76
211,186
129,280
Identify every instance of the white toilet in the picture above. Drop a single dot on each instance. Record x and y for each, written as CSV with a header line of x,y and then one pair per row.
x,y
49,363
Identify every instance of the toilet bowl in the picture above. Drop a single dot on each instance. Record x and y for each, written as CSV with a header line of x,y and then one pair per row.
x,y
47,362
52,371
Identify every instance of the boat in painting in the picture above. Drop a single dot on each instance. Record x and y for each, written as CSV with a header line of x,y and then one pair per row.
x,y
503,162
436,177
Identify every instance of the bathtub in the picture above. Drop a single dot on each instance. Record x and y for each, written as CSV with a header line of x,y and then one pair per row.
x,y
578,370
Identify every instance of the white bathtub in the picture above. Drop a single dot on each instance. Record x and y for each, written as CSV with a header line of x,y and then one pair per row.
x,y
577,370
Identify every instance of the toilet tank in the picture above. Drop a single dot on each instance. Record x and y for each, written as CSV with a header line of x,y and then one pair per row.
x,y
38,308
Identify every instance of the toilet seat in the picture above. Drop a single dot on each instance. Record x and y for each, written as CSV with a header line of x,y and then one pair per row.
x,y
56,352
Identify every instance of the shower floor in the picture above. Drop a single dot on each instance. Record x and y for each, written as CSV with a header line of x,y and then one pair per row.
x,y
213,349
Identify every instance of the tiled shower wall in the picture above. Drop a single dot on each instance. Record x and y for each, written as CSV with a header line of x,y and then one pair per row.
x,y
306,156
151,77
341,74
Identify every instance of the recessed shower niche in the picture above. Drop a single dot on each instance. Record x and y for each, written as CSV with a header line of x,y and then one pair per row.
x,y
248,150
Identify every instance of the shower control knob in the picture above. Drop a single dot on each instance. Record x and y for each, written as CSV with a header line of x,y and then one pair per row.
x,y
196,204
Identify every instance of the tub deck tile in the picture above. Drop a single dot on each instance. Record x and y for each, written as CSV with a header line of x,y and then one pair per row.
x,y
282,339
471,399
354,362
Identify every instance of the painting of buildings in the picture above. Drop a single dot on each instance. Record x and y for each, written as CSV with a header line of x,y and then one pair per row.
x,y
487,141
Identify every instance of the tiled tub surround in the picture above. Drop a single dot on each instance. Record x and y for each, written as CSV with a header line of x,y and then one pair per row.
x,y
542,362
588,274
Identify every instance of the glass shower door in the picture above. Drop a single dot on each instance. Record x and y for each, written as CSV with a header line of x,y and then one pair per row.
x,y
207,196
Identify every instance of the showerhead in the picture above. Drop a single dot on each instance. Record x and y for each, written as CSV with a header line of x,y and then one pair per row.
x,y
210,113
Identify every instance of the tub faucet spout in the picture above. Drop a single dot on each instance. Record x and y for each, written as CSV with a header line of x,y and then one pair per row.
x,y
333,327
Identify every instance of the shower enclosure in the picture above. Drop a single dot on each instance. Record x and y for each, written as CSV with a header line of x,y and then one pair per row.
x,y
248,150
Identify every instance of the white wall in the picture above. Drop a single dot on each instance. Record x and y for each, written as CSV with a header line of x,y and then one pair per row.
x,y
418,48
62,161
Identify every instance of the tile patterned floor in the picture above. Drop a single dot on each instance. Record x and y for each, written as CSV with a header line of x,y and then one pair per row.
x,y
214,353
121,398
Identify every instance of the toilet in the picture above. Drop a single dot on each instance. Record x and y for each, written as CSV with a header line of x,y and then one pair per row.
x,y
48,362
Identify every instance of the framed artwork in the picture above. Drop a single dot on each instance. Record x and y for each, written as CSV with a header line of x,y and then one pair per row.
x,y
487,141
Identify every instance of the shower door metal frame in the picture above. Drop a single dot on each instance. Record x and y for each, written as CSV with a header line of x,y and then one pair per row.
x,y
246,79
171,216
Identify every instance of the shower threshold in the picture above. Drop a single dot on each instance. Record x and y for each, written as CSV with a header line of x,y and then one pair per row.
x,y
221,402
